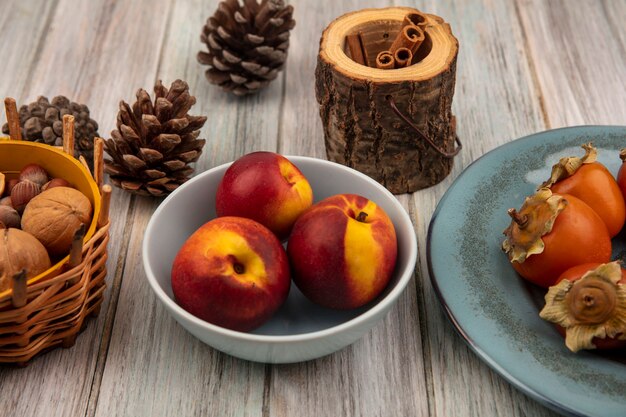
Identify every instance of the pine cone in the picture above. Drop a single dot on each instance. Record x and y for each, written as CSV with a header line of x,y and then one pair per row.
x,y
247,44
42,121
155,141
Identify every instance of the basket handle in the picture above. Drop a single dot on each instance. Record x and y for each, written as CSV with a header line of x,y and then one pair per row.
x,y
98,162
13,118
408,121
76,252
68,134
18,297
106,203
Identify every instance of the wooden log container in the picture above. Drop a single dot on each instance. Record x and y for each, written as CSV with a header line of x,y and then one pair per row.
x,y
395,125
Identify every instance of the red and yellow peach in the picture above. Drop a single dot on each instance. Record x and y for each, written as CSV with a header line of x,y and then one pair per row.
x,y
265,187
342,251
232,272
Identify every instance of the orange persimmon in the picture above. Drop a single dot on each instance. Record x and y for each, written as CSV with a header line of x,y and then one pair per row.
x,y
588,306
552,233
590,181
621,174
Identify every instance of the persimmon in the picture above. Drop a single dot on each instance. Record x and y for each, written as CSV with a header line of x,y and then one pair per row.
x,y
588,306
552,233
590,181
621,174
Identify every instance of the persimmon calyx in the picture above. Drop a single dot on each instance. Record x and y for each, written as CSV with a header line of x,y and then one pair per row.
x,y
567,166
593,306
533,220
622,154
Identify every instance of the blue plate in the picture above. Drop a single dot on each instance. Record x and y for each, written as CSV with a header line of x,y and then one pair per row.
x,y
496,311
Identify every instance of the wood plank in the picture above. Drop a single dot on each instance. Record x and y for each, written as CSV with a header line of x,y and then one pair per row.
x,y
614,12
366,377
300,127
580,57
83,40
150,353
26,23
495,102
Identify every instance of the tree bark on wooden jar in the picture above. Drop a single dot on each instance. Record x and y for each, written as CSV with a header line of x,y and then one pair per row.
x,y
361,127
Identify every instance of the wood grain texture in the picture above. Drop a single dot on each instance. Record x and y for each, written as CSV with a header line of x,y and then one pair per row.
x,y
300,127
614,12
581,73
495,102
28,23
150,356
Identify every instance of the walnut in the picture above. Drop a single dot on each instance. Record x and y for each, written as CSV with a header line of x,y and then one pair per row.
x,y
55,215
20,250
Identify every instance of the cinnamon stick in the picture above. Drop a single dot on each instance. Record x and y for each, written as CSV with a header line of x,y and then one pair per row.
x,y
355,45
366,55
410,37
68,134
13,119
417,19
385,60
402,57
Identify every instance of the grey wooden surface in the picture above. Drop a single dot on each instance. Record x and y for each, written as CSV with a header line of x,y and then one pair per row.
x,y
524,66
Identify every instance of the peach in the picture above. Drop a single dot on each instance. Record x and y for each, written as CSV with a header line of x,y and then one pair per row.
x,y
265,187
342,251
232,272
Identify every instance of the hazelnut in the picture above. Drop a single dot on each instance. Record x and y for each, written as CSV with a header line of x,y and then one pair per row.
x,y
9,186
6,201
10,217
56,182
55,215
18,251
22,193
34,173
